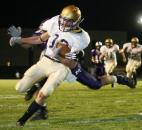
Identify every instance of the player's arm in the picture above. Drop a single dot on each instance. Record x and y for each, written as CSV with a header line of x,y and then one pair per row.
x,y
68,62
122,52
29,40
36,39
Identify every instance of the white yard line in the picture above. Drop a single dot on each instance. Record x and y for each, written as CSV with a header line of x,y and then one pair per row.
x,y
10,96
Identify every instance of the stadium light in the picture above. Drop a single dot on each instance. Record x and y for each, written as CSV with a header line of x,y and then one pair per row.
x,y
140,20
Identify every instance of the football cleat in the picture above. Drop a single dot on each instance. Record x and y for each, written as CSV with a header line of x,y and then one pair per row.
x,y
131,83
20,123
41,114
112,85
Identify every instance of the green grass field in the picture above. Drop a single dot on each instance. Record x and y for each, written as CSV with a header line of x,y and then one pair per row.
x,y
75,107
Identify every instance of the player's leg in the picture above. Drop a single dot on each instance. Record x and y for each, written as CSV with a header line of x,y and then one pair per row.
x,y
124,80
133,69
42,113
99,70
29,94
86,78
114,64
54,79
31,76
128,68
34,106
120,79
108,79
91,82
135,66
109,67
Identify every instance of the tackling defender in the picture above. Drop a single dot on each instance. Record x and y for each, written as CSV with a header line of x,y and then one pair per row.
x,y
97,62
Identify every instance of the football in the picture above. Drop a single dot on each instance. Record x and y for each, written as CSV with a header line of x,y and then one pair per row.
x,y
64,49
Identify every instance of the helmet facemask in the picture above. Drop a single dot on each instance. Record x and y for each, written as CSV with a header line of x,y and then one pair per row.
x,y
66,24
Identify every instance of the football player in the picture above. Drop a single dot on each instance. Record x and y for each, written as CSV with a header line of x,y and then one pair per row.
x,y
68,34
61,30
98,63
108,53
133,51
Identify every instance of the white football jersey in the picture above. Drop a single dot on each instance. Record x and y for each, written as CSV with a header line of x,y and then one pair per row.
x,y
110,53
133,53
50,25
76,41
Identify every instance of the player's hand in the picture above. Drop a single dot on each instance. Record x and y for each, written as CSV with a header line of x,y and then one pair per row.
x,y
14,32
71,56
14,40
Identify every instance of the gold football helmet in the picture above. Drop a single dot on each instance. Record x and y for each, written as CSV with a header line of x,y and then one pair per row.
x,y
134,41
69,18
109,42
98,43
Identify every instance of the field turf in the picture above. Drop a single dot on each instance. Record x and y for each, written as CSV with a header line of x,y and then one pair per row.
x,y
75,107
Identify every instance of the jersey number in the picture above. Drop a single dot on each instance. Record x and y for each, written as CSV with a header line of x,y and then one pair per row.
x,y
54,40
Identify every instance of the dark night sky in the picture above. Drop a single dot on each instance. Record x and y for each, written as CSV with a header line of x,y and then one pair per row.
x,y
117,15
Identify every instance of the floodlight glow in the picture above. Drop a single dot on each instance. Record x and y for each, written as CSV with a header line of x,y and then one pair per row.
x,y
140,20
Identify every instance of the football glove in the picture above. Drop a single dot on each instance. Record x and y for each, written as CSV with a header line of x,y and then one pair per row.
x,y
14,32
14,40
